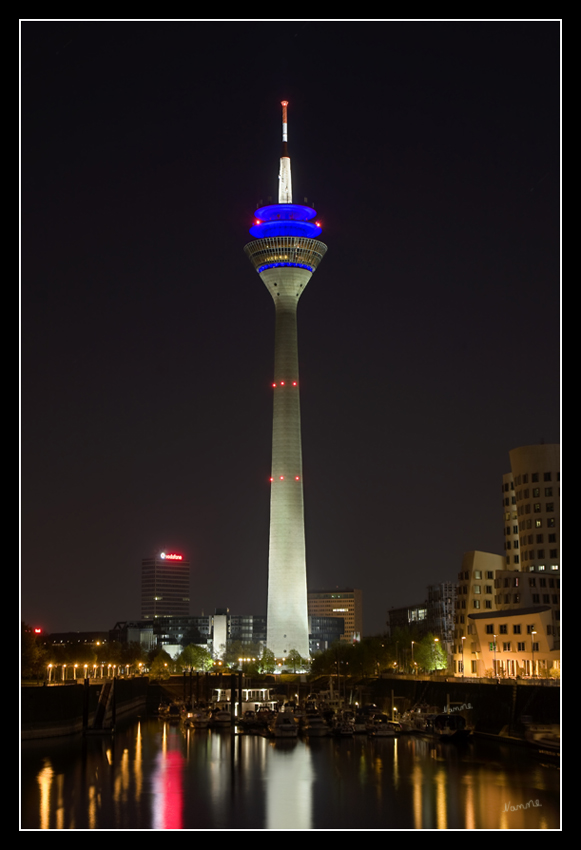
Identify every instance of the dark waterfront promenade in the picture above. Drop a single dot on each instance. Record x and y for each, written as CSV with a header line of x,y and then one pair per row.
x,y
152,775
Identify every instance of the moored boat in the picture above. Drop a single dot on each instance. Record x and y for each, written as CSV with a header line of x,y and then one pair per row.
x,y
380,726
313,724
284,725
451,727
221,718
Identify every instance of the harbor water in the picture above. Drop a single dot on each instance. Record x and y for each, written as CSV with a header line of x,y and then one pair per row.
x,y
154,775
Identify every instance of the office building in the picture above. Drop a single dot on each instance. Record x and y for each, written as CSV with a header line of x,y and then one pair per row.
x,y
165,586
346,604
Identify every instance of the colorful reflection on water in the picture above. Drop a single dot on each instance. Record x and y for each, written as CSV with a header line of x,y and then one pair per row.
x,y
152,775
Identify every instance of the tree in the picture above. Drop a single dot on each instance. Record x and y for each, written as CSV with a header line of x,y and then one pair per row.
x,y
267,662
161,665
34,657
429,654
238,649
195,658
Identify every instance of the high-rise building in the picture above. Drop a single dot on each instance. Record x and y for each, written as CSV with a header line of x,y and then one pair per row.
x,y
285,253
495,597
346,604
536,471
165,586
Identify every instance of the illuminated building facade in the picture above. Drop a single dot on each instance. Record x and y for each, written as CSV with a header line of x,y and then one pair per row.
x,y
285,253
346,604
496,589
165,586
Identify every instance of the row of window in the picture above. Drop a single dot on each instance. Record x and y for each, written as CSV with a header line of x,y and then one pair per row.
x,y
536,492
553,582
477,575
503,629
476,588
536,477
529,555
537,508
538,523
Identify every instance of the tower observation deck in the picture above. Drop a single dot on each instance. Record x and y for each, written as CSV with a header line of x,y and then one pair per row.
x,y
285,254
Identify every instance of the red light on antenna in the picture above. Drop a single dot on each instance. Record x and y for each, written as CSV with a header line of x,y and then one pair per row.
x,y
294,383
282,477
274,385
282,383
271,478
297,478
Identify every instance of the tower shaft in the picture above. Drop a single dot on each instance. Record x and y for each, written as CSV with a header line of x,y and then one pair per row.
x,y
287,616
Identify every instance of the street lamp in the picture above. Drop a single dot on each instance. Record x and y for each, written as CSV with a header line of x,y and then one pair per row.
x,y
495,672
463,639
533,633
413,641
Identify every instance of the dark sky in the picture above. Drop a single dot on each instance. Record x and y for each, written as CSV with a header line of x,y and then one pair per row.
x,y
429,337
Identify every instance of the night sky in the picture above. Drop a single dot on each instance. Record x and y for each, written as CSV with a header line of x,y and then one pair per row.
x,y
429,336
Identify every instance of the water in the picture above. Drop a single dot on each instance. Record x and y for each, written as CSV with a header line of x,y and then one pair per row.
x,y
152,775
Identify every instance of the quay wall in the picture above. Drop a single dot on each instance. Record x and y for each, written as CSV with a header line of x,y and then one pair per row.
x,y
57,710
495,707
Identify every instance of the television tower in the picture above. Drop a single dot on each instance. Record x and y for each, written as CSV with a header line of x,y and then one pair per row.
x,y
285,254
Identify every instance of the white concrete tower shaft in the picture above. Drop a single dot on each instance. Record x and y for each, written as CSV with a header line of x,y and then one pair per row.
x,y
287,618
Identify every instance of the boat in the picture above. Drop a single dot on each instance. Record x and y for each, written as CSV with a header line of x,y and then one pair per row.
x,y
221,718
380,726
313,724
284,725
249,721
419,719
200,718
343,725
545,738
451,727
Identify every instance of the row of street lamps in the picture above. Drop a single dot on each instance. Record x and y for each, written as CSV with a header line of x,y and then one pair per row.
x,y
107,670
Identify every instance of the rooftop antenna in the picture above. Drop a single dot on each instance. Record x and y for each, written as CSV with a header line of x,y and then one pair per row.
x,y
285,189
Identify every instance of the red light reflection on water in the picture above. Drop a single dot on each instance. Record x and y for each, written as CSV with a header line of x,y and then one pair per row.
x,y
168,807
